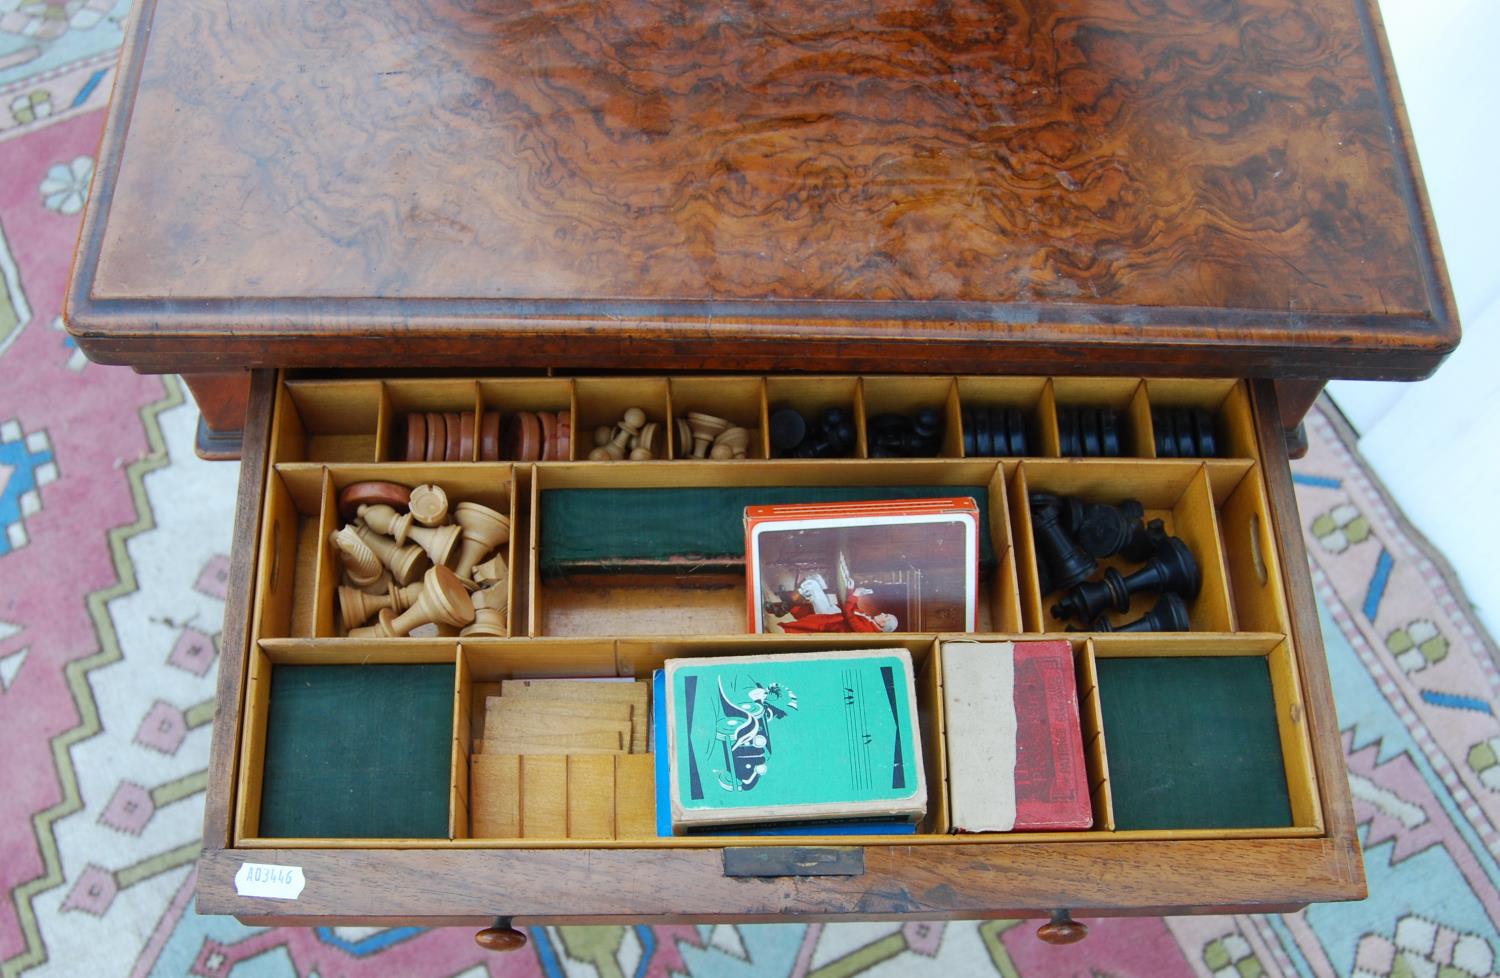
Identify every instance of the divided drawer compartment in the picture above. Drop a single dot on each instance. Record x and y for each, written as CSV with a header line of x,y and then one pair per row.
x,y
339,421
1213,744
1184,736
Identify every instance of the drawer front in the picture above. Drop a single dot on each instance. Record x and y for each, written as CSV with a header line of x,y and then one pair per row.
x,y
307,439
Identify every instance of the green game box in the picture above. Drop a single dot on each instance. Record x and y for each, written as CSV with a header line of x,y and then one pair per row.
x,y
793,738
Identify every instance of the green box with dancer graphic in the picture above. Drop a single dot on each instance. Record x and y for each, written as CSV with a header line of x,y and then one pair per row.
x,y
799,737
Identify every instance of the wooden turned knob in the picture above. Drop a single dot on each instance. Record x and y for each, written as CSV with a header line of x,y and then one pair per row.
x,y
500,936
1062,929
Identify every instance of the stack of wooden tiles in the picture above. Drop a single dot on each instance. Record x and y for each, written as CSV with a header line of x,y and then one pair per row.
x,y
563,759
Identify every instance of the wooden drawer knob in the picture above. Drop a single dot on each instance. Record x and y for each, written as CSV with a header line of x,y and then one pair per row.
x,y
501,936
1062,929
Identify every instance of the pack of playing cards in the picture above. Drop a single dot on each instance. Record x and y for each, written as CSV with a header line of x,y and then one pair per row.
x,y
795,737
908,565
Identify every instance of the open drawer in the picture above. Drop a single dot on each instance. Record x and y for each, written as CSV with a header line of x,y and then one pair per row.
x,y
374,808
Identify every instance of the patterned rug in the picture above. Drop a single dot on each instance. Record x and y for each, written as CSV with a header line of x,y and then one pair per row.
x,y
112,574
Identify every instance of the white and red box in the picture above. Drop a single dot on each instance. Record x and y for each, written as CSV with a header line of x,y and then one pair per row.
x,y
906,565
1015,744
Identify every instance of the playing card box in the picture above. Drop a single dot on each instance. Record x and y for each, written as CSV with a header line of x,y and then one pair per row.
x,y
1015,746
905,565
793,737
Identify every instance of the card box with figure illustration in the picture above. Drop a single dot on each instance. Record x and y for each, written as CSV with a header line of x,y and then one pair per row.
x,y
880,566
795,737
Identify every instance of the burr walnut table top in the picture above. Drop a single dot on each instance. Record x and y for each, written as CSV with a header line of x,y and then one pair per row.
x,y
1167,186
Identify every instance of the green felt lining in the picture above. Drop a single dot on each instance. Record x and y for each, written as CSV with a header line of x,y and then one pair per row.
x,y
1192,743
358,752
669,530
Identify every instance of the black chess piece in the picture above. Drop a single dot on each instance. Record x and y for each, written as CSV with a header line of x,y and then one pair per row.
x,y
1104,530
1088,424
1169,614
985,434
1067,563
788,428
1173,570
1109,433
1182,424
1164,434
1015,428
1068,442
966,419
1203,432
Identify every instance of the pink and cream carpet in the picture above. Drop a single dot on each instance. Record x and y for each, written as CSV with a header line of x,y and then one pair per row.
x,y
113,552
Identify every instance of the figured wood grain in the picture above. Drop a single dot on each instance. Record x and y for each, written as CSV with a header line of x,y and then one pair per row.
x,y
1187,187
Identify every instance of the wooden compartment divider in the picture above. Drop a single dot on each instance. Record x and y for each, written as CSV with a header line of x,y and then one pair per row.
x,y
628,626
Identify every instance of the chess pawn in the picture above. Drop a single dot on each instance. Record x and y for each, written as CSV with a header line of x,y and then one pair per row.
x,y
732,443
704,429
429,504
444,601
360,560
653,440
602,435
406,563
483,530
492,571
490,612
356,607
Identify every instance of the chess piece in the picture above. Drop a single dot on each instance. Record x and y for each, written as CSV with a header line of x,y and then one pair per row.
x,y
1015,426
618,445
378,586
1068,442
1088,429
603,434
453,425
492,571
357,607
548,421
1203,432
361,561
1169,614
437,436
564,436
1182,422
351,497
439,541
1163,434
406,563
787,428
652,440
428,505
731,443
416,437
1067,563
684,447
465,438
491,613
704,429
444,601
1104,530
483,530
1172,571
489,437
381,628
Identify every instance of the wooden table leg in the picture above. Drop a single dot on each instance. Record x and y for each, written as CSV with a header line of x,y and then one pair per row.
x,y
1296,398
222,401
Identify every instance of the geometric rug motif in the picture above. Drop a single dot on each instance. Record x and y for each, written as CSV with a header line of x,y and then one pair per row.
x,y
111,598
